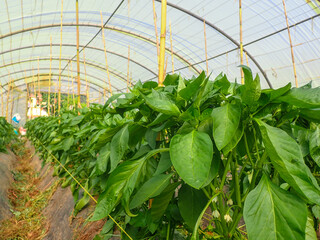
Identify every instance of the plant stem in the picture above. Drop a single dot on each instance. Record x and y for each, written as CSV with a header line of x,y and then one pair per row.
x,y
168,231
225,171
195,230
247,148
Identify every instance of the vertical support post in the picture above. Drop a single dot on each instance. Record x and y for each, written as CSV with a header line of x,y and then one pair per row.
x,y
247,59
12,102
205,45
241,42
78,57
85,75
105,55
72,85
68,98
291,47
162,41
156,29
8,96
59,88
1,99
28,94
38,77
49,88
128,69
171,48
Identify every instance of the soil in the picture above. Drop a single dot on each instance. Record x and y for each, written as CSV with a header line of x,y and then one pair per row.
x,y
34,206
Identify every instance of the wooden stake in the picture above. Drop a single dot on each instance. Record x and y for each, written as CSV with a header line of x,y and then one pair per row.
x,y
241,42
59,88
85,75
49,89
156,29
38,76
8,96
162,41
292,54
171,48
68,98
205,45
247,60
73,99
128,72
78,56
105,55
1,99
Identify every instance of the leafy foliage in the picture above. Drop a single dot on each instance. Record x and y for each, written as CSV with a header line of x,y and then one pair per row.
x,y
157,157
6,134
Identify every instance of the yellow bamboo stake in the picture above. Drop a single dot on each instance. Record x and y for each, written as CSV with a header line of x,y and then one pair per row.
x,y
85,75
128,68
241,42
162,41
59,88
247,60
155,28
130,85
1,99
105,55
165,68
25,80
171,48
39,97
73,98
205,45
291,47
68,98
8,96
49,89
78,56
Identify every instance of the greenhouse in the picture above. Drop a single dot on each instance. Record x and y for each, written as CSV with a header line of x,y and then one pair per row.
x,y
156,119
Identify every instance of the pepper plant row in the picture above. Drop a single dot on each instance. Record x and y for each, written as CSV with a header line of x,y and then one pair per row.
x,y
6,134
163,159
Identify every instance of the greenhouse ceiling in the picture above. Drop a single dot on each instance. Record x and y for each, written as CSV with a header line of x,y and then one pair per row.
x,y
38,40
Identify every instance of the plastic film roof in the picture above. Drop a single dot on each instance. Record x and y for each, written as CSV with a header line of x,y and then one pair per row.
x,y
26,27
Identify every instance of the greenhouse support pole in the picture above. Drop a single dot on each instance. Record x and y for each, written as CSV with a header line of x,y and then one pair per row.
x,y
162,41
128,69
171,48
73,99
1,99
12,102
78,55
247,60
38,76
59,88
241,42
156,29
68,96
291,47
49,89
105,56
8,96
85,75
28,94
205,45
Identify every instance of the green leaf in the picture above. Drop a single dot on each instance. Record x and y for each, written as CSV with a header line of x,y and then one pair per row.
x,y
302,97
310,232
286,157
225,123
116,183
271,213
150,189
160,203
67,143
158,101
273,94
103,159
314,145
171,79
119,144
76,120
194,162
251,89
150,84
164,163
191,89
222,82
311,114
234,141
191,203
